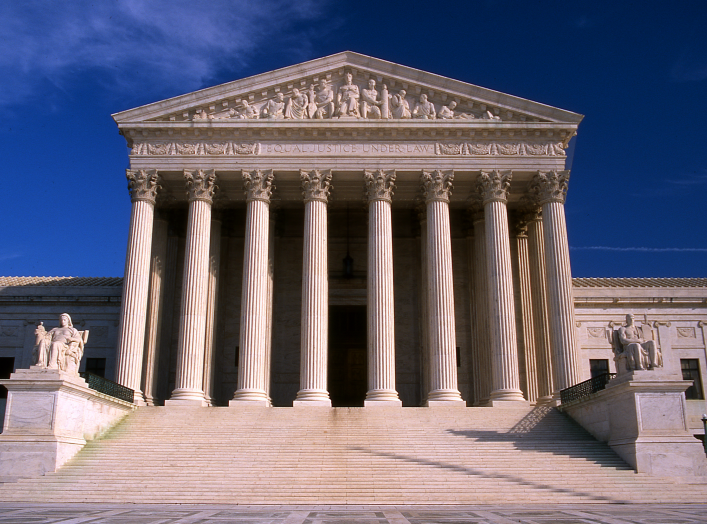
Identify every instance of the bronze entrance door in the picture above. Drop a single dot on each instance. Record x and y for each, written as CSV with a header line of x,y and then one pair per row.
x,y
347,355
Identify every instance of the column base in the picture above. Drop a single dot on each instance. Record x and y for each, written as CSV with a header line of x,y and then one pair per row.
x,y
382,395
250,395
512,395
383,403
237,403
313,395
445,395
545,401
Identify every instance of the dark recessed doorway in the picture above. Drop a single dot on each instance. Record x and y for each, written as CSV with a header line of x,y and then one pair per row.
x,y
347,355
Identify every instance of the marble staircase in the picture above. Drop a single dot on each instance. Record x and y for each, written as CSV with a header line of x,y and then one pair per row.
x,y
253,455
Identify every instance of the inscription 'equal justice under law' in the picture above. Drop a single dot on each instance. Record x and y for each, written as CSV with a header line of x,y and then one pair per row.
x,y
352,148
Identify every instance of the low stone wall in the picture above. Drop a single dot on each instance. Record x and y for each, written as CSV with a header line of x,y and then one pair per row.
x,y
642,415
49,417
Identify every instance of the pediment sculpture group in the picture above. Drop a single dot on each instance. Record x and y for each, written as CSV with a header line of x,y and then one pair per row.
x,y
349,101
59,348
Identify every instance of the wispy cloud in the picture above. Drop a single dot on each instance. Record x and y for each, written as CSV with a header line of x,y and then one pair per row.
x,y
143,44
689,67
689,180
641,249
9,256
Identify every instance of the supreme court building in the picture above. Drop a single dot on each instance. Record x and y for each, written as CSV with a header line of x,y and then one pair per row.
x,y
351,232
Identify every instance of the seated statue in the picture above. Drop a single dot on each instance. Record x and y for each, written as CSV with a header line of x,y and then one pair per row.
x,y
60,348
634,348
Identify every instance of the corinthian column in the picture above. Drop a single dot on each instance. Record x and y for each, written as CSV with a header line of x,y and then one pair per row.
x,y
481,297
493,187
131,330
201,185
538,293
550,190
316,186
212,304
381,331
436,188
526,307
252,386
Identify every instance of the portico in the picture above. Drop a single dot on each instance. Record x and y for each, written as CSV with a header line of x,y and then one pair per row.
x,y
242,220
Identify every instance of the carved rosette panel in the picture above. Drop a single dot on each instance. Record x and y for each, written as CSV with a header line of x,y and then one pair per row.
x,y
500,148
202,148
437,185
258,184
493,186
549,187
143,184
380,185
201,184
316,185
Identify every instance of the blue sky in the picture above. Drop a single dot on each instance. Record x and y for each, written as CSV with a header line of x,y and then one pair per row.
x,y
637,70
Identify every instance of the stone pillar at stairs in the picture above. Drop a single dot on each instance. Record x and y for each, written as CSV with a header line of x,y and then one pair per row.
x,y
549,190
493,187
252,362
436,188
201,185
143,186
313,391
381,325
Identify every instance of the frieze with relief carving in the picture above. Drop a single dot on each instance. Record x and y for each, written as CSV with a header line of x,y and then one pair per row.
x,y
501,148
205,148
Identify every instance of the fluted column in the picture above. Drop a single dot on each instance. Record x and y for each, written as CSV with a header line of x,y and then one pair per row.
x,y
493,187
550,190
155,311
481,297
541,320
143,186
421,212
212,310
253,344
270,291
189,381
381,318
436,188
526,308
316,186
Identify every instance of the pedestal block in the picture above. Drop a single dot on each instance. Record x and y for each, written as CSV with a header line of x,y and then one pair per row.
x,y
642,416
49,417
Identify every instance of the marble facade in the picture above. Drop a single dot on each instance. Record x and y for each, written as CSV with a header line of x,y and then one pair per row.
x,y
268,209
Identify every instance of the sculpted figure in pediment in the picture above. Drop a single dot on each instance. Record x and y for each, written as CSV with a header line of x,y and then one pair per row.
x,y
200,115
275,108
322,103
369,101
399,107
424,109
447,112
347,99
61,347
297,105
488,115
245,111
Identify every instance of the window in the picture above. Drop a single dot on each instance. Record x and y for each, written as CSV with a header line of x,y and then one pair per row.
x,y
598,366
97,366
691,371
7,366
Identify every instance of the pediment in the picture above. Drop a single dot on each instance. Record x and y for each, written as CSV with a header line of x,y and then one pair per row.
x,y
304,91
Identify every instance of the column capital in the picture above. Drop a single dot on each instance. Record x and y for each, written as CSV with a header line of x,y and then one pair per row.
x,y
380,184
143,184
316,185
201,184
258,185
520,225
529,209
493,186
437,185
550,186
